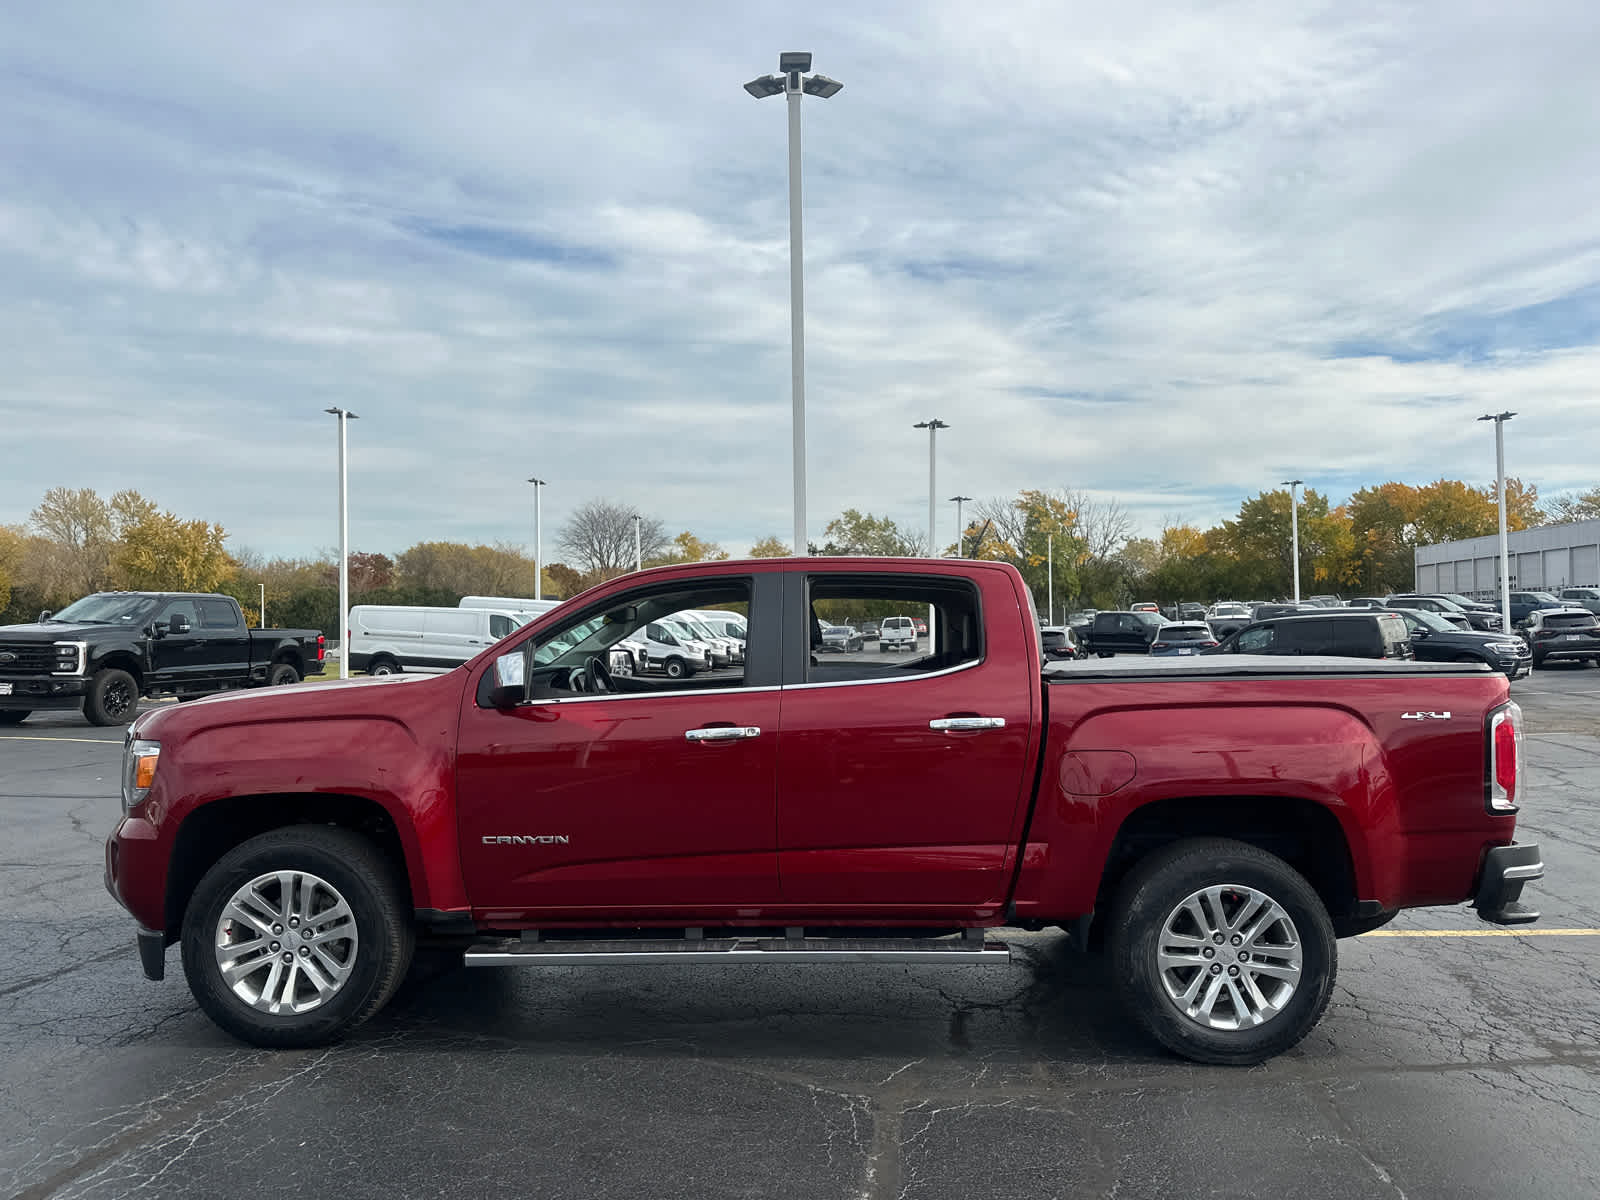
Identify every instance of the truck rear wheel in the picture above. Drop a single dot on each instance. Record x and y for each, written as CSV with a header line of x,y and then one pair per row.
x,y
282,675
113,698
1223,952
297,936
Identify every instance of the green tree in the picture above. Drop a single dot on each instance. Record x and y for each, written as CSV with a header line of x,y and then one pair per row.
x,y
12,541
855,532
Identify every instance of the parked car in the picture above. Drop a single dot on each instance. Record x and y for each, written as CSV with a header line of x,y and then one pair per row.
x,y
1476,617
100,654
523,794
1226,618
1525,604
1114,633
730,625
1470,606
1183,638
1581,597
388,639
869,630
1325,600
897,633
1081,619
660,647
1262,612
522,607
842,639
689,634
1339,633
922,626
1434,638
1148,606
725,650
1190,611
1366,602
1058,644
1563,634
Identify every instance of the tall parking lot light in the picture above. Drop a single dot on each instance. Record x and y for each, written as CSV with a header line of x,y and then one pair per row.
x,y
538,541
1294,532
345,417
792,82
1500,420
932,425
961,529
638,544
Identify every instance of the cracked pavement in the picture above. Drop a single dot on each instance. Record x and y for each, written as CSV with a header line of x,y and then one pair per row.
x,y
1445,1067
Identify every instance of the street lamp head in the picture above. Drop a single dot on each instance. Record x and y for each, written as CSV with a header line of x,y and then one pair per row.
x,y
794,60
961,499
538,483
822,86
1505,416
933,424
1292,482
767,85
340,412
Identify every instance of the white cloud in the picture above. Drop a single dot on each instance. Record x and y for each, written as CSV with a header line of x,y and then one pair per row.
x,y
1166,253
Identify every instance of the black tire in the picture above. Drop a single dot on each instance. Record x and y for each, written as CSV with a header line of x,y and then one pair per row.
x,y
675,668
385,937
1154,891
14,716
282,674
1106,653
113,698
383,665
1538,662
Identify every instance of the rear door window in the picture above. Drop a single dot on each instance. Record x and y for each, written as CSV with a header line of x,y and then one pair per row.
x,y
1260,640
1396,637
500,626
1305,637
218,614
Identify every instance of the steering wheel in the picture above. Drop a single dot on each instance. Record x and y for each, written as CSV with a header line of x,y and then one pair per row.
x,y
597,676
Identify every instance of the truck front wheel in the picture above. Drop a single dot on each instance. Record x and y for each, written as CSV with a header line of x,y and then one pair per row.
x,y
297,936
1223,952
113,698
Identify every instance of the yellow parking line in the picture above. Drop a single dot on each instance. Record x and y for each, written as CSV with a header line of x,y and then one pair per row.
x,y
1419,933
23,737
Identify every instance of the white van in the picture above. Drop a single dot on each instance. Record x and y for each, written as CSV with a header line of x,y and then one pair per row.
x,y
666,647
386,640
724,649
520,605
725,624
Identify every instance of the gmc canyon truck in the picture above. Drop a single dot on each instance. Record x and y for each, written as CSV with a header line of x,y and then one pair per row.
x,y
1214,824
101,653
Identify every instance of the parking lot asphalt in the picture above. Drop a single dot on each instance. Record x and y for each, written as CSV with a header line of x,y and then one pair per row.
x,y
1448,1065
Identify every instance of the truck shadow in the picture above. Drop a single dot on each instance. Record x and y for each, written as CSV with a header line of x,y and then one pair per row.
x,y
1050,1002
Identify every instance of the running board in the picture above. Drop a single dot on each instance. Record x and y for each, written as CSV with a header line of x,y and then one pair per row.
x,y
508,952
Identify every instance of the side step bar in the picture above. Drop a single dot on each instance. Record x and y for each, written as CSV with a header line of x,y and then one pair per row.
x,y
508,952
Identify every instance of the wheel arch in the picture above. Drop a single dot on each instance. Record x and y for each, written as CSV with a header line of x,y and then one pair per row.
x,y
121,660
1307,835
213,829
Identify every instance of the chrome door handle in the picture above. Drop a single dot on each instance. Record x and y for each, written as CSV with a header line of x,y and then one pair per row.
x,y
723,733
966,724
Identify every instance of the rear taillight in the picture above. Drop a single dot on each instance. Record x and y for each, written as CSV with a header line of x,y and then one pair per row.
x,y
322,646
1505,758
1208,645
1159,646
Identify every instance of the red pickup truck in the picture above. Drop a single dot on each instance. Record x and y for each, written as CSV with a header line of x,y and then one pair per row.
x,y
1214,824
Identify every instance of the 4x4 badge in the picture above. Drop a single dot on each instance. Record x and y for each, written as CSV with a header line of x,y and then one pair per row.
x,y
1425,716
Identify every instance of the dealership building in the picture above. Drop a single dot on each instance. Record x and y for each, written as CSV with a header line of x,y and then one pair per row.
x,y
1542,558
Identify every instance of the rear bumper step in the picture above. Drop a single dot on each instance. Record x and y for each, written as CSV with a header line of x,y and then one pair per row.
x,y
1505,870
507,952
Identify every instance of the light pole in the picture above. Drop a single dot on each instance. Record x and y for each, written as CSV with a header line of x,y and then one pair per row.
x,y
345,417
1050,575
1294,527
638,544
932,425
1500,420
961,530
263,620
793,83
538,540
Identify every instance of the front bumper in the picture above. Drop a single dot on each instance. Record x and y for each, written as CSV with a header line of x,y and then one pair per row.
x,y
1505,870
39,692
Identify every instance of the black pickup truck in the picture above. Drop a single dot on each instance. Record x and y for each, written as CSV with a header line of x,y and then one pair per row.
x,y
102,653
1112,633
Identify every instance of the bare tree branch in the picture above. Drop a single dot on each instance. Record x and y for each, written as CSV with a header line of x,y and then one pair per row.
x,y
599,536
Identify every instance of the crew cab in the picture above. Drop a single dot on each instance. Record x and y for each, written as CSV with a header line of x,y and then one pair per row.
x,y
1215,824
102,653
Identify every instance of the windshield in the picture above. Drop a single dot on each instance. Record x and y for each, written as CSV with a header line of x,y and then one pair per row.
x,y
700,628
1458,599
1544,597
108,608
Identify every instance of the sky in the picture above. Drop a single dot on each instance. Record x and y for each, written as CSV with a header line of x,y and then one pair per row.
x,y
1166,254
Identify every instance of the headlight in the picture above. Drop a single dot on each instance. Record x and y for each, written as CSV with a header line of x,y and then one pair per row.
x,y
139,759
70,658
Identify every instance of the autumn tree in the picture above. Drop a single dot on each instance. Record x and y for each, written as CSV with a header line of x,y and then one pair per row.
x,y
1569,507
161,552
12,541
599,538
686,548
78,522
770,547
